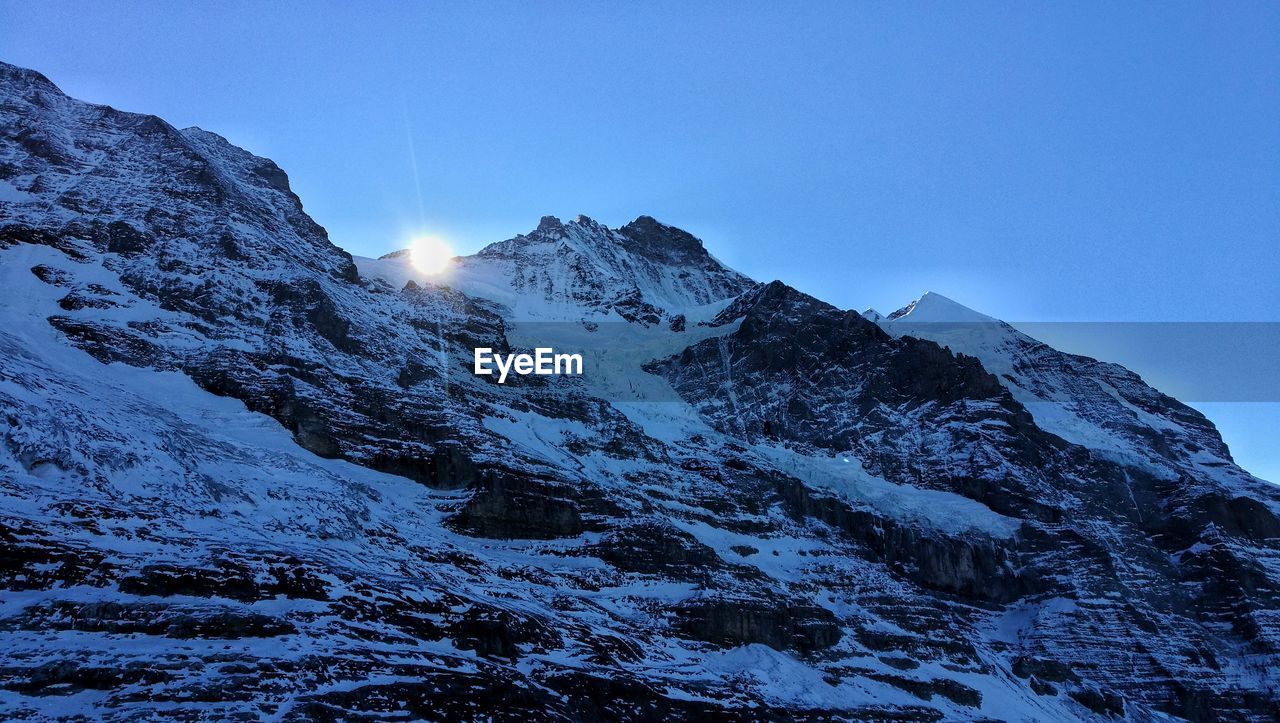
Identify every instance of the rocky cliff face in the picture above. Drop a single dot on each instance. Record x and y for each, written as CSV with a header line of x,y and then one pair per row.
x,y
243,476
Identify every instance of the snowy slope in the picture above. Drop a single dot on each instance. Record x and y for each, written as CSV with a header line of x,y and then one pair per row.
x,y
149,520
1102,406
245,476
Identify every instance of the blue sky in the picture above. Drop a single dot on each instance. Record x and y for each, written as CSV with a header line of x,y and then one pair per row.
x,y
1071,161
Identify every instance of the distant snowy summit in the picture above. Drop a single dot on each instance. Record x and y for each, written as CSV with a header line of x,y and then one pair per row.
x,y
935,308
645,271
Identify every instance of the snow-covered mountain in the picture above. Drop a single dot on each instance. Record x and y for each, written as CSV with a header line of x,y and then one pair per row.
x,y
645,272
1101,406
245,475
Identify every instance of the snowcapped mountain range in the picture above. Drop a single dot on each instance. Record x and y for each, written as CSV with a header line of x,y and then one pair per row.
x,y
245,475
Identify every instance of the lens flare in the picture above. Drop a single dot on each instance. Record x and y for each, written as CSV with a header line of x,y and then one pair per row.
x,y
430,255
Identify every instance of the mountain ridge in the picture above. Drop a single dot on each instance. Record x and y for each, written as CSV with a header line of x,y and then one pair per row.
x,y
644,271
243,474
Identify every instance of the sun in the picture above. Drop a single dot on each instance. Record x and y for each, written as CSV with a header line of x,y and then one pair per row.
x,y
430,255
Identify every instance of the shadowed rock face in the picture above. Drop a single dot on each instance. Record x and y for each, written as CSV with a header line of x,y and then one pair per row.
x,y
799,370
666,245
511,506
975,567
779,624
221,439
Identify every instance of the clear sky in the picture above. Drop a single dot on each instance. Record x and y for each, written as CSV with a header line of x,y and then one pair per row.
x,y
1036,161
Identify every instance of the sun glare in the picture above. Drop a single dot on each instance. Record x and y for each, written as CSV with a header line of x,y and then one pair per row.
x,y
430,255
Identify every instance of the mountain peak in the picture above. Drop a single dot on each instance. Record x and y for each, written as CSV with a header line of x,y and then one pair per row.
x,y
934,307
582,268
656,240
72,165
646,221
552,227
13,74
645,237
549,224
769,299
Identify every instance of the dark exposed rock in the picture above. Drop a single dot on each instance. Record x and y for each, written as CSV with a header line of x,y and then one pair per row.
x,y
51,276
440,696
228,625
447,467
227,579
118,237
952,690
509,505
899,662
653,549
1241,516
923,648
1050,670
111,344
1104,703
93,617
622,698
76,301
17,233
1040,687
973,566
498,633
309,300
669,245
632,307
149,619
780,624
68,677
30,560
